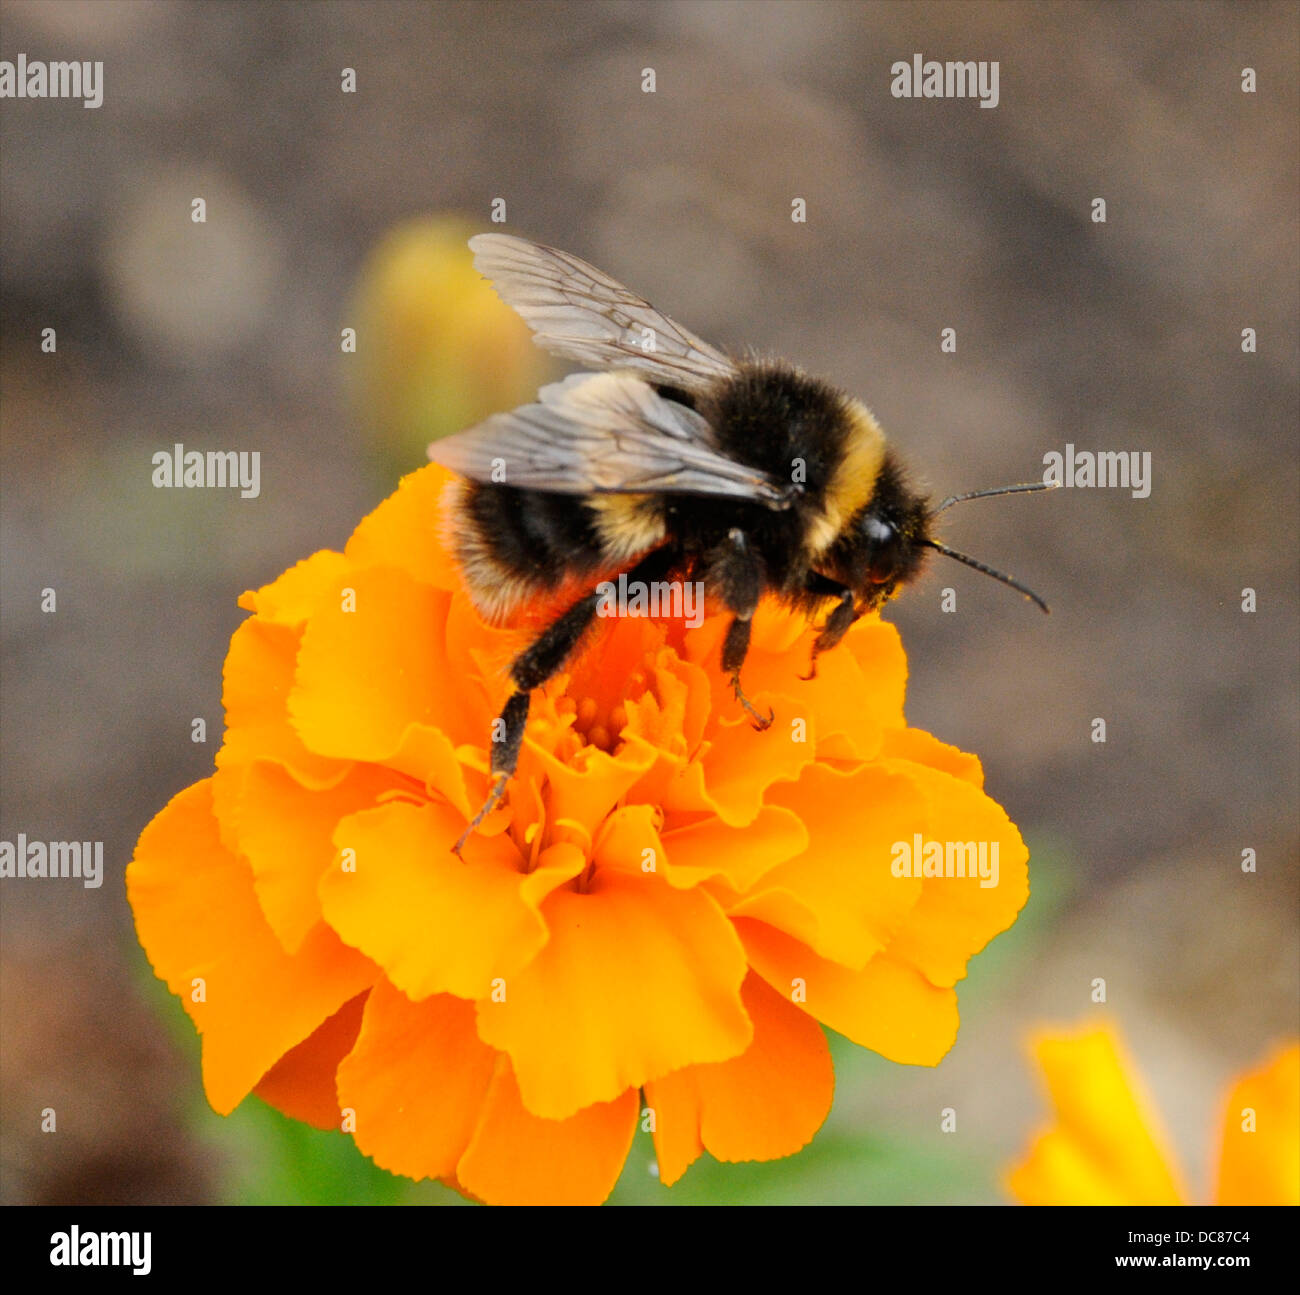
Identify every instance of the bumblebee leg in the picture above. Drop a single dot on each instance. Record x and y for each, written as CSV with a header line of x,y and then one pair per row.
x,y
734,648
737,573
837,623
545,657
530,669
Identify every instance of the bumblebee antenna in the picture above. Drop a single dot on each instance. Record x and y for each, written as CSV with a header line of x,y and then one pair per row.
x,y
980,566
1001,490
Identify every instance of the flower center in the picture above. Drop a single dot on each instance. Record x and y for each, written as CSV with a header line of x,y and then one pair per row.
x,y
601,724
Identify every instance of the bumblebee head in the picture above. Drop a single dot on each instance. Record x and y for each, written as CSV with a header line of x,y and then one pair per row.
x,y
888,540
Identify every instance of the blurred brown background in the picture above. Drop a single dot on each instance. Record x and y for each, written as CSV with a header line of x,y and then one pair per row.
x,y
922,215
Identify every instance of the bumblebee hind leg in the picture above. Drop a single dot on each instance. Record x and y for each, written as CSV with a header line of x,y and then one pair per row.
x,y
537,663
544,657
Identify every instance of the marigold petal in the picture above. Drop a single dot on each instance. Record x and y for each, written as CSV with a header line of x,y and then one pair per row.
x,y
435,923
425,753
372,666
227,787
638,979
199,922
849,902
301,1084
629,842
416,1082
584,792
516,1158
877,647
1259,1159
286,830
405,532
920,747
846,706
256,681
766,1103
708,850
675,1101
956,917
887,1006
738,764
291,597
1107,1147
739,857
673,714
483,654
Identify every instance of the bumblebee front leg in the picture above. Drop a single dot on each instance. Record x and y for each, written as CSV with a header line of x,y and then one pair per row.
x,y
529,670
837,623
737,574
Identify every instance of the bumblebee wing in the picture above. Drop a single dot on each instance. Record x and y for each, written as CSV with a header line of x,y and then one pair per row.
x,y
604,433
578,311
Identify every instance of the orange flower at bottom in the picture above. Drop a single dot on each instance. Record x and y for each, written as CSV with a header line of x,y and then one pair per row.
x,y
650,932
1107,1149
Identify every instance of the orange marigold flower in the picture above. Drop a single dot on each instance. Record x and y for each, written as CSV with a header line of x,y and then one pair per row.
x,y
668,901
1107,1148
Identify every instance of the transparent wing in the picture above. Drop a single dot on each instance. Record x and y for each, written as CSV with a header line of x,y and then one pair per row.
x,y
577,311
604,433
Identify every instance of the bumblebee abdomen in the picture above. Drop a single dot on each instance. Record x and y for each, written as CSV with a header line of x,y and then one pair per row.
x,y
514,545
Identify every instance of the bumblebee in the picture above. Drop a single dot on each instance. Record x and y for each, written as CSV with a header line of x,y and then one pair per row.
x,y
672,461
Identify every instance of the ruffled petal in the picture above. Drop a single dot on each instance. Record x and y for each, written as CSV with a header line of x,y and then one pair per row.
x,y
290,598
405,531
847,902
766,1103
257,678
301,1084
920,747
638,979
956,917
198,919
515,1158
582,793
846,706
286,830
705,851
888,1006
373,666
739,857
415,1082
737,764
437,924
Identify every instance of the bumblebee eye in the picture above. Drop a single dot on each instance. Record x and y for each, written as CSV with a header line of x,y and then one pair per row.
x,y
884,552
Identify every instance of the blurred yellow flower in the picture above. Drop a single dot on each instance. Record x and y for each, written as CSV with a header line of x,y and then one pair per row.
x,y
1107,1147
1259,1157
437,349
